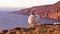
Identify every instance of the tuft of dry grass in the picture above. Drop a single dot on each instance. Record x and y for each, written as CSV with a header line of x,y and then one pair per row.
x,y
41,29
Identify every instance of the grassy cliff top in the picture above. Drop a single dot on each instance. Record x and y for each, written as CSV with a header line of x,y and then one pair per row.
x,y
42,28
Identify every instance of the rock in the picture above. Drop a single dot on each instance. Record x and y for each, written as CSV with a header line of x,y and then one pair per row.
x,y
45,11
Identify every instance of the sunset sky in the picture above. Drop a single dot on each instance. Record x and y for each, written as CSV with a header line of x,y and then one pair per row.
x,y
25,3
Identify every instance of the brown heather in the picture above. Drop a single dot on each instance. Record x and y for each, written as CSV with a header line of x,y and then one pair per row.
x,y
40,29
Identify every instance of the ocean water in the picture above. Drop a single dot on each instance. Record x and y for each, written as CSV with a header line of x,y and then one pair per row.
x,y
9,21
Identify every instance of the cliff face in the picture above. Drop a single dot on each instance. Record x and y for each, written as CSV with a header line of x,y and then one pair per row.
x,y
28,11
45,11
53,11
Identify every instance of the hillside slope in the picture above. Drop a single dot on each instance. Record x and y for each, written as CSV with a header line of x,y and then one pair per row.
x,y
42,29
45,11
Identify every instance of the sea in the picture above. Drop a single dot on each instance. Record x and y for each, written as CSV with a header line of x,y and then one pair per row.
x,y
9,21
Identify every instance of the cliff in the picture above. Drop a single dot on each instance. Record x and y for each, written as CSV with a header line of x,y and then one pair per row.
x,y
28,11
45,11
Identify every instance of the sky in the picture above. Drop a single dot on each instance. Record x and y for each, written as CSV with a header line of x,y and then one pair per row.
x,y
25,3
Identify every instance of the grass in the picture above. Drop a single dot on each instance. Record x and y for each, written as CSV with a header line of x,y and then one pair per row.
x,y
41,29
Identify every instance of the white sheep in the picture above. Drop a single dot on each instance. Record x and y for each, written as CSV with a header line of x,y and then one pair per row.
x,y
33,19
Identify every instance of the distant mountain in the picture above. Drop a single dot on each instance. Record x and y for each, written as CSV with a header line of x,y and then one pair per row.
x,y
45,11
9,9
